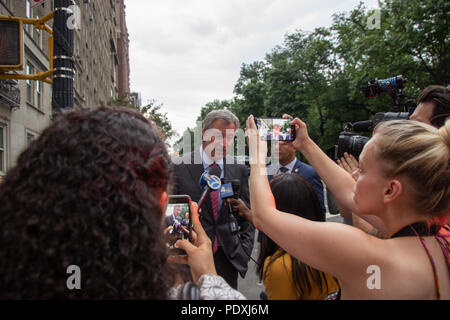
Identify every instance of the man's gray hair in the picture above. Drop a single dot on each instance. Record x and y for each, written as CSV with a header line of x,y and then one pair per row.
x,y
224,115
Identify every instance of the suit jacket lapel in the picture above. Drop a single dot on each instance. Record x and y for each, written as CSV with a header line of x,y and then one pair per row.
x,y
297,167
195,172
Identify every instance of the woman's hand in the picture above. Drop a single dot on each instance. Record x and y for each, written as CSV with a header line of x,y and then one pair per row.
x,y
199,252
260,195
257,148
243,211
168,230
349,163
301,133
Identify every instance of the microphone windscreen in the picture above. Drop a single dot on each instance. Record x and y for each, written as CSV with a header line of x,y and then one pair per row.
x,y
216,171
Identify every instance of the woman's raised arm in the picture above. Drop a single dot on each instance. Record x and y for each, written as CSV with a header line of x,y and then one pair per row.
x,y
342,251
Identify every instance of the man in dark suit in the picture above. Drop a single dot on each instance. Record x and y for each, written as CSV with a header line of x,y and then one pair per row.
x,y
288,163
231,253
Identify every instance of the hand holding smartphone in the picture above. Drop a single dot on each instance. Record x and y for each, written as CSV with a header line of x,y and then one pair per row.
x,y
275,129
198,253
178,218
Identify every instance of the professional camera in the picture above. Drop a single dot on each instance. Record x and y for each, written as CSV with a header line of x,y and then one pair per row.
x,y
348,142
369,125
352,143
392,86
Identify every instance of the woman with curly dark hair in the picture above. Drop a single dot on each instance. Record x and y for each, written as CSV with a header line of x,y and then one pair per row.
x,y
88,192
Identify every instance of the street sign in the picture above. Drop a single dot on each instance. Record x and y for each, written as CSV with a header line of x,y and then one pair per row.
x,y
35,3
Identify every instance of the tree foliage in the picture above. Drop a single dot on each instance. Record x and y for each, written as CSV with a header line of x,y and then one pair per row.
x,y
151,111
319,75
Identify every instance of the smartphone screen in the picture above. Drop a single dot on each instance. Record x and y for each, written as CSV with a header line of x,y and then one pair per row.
x,y
275,129
178,219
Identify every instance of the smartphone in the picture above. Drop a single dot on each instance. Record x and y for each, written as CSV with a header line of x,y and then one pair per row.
x,y
275,129
178,217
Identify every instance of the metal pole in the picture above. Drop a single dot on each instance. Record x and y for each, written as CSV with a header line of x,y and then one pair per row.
x,y
63,76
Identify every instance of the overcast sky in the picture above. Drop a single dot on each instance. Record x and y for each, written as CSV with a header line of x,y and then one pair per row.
x,y
186,53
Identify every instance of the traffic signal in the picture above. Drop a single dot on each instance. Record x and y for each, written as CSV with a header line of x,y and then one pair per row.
x,y
11,44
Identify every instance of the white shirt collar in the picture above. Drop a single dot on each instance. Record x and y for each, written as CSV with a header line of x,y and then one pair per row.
x,y
207,161
290,165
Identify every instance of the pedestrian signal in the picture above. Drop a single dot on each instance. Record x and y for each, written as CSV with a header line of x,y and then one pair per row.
x,y
11,44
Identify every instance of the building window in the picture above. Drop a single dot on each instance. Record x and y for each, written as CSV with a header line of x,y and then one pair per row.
x,y
34,88
29,15
113,69
2,148
38,36
39,94
30,138
30,84
28,9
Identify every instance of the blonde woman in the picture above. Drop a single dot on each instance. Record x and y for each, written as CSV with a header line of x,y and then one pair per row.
x,y
403,181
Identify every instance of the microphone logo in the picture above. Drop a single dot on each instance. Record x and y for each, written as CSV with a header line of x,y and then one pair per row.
x,y
208,182
214,182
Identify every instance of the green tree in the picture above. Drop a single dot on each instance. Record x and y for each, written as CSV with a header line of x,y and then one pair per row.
x,y
320,75
293,79
151,111
190,134
214,105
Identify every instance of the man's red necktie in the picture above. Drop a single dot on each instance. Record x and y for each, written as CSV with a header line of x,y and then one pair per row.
x,y
214,195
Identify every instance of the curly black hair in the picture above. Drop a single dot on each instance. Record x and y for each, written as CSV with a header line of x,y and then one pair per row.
x,y
87,193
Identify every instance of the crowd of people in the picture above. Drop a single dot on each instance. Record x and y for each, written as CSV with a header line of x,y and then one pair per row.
x,y
92,191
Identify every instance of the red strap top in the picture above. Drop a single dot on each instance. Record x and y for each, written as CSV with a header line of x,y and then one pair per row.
x,y
443,238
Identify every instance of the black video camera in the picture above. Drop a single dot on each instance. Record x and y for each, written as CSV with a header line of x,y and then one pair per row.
x,y
352,143
348,142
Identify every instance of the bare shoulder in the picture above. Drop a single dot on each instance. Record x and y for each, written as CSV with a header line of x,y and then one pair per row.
x,y
402,271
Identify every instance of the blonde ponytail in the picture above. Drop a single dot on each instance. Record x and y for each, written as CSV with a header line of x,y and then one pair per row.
x,y
444,133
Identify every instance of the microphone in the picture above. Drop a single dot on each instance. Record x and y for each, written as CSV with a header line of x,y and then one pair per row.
x,y
209,181
230,189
